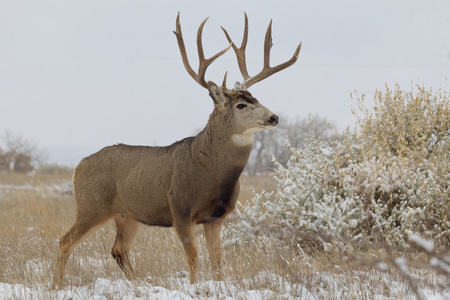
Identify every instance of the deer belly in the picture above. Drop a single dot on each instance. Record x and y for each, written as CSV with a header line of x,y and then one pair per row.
x,y
155,217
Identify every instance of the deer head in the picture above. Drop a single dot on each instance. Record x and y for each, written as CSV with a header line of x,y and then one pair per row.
x,y
238,104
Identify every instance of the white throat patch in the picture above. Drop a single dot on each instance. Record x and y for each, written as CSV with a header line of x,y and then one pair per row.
x,y
243,139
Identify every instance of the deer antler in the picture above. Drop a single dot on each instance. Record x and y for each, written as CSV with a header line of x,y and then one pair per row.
x,y
203,63
267,69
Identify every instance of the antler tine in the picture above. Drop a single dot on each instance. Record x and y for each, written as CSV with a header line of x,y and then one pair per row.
x,y
267,70
184,56
268,45
240,52
224,83
203,63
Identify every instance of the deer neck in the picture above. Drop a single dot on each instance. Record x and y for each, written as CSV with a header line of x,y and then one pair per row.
x,y
221,148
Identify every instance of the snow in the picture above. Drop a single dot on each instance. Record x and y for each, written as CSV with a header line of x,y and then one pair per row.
x,y
402,264
103,288
441,264
320,288
427,245
56,189
382,267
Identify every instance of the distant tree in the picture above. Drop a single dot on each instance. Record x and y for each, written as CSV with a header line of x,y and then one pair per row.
x,y
6,159
23,163
18,154
273,143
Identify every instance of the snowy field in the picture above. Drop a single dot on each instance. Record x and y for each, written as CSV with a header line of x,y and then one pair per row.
x,y
328,287
33,214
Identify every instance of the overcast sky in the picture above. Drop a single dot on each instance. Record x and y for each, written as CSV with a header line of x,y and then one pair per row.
x,y
76,76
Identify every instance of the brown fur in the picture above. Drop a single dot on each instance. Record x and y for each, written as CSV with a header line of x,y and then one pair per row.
x,y
192,181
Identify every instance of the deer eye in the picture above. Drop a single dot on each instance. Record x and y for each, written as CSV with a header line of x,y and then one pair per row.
x,y
241,106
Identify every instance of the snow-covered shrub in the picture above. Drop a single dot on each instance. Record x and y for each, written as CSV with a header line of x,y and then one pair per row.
x,y
403,168
388,176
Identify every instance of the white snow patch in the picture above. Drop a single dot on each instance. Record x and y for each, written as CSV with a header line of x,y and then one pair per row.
x,y
427,245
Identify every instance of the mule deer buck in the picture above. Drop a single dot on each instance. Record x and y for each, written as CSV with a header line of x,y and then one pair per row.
x,y
193,181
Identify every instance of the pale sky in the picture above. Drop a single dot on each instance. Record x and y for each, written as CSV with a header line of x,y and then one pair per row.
x,y
76,76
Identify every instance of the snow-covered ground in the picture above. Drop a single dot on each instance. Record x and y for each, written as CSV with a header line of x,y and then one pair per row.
x,y
330,287
44,190
34,274
122,289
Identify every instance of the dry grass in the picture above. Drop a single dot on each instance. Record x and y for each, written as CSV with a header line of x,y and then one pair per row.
x,y
255,183
33,217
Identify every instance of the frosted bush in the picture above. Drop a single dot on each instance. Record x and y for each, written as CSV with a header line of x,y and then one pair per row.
x,y
387,177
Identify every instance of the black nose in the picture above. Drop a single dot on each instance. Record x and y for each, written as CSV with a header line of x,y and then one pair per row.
x,y
273,119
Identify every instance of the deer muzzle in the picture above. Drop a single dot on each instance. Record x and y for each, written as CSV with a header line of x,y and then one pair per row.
x,y
273,120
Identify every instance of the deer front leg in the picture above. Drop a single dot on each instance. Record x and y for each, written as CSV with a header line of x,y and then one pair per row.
x,y
186,233
212,235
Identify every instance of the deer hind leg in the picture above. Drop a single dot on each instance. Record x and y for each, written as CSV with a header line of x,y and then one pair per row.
x,y
186,233
77,233
212,235
127,229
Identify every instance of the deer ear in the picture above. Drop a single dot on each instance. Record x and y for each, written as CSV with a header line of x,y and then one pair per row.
x,y
216,94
